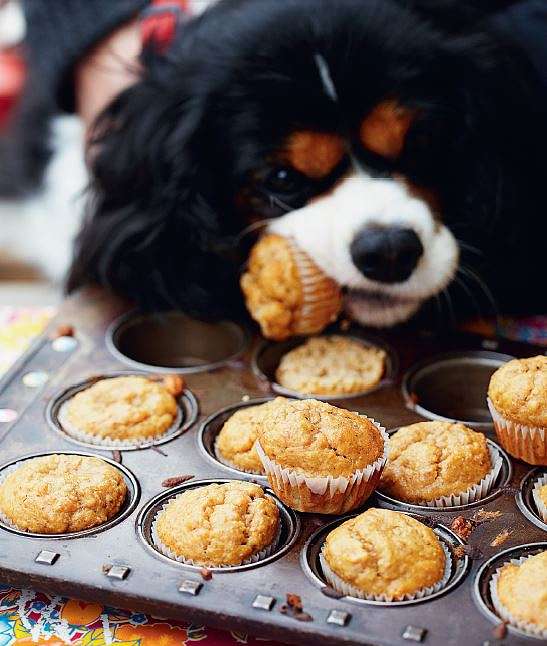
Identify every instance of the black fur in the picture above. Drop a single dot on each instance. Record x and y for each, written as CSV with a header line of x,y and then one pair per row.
x,y
173,151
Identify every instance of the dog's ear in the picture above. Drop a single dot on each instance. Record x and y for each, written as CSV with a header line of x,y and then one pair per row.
x,y
153,232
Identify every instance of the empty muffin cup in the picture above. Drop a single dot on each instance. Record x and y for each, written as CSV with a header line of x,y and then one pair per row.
x,y
540,500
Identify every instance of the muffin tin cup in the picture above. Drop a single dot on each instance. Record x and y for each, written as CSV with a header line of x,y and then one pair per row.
x,y
268,355
131,498
475,494
287,534
325,495
527,627
351,591
187,412
527,443
540,505
318,292
166,551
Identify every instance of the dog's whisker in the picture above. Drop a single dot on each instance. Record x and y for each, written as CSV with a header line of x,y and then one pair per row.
x,y
467,247
275,201
465,288
472,275
450,306
254,226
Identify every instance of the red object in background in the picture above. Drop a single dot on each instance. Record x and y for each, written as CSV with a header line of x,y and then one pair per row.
x,y
160,19
12,78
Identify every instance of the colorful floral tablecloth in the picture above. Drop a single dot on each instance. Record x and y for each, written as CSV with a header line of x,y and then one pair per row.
x,y
29,617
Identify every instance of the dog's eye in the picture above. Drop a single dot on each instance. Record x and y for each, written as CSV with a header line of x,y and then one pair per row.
x,y
284,180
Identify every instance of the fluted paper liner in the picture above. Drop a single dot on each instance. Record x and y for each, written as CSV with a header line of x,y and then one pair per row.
x,y
166,551
541,506
231,464
528,443
321,300
504,613
475,492
325,494
351,591
75,433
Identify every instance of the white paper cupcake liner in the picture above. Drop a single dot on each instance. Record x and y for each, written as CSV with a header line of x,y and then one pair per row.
x,y
349,590
318,293
504,613
528,443
475,492
285,479
231,464
166,551
75,433
540,505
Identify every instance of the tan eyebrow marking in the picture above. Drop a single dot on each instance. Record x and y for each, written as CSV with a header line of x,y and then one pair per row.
x,y
383,130
315,154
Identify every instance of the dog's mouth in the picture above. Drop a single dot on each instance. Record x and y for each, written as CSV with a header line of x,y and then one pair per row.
x,y
379,309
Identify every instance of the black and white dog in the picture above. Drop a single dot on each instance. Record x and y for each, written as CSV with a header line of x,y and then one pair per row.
x,y
401,143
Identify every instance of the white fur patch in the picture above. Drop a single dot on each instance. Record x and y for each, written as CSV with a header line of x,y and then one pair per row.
x,y
326,227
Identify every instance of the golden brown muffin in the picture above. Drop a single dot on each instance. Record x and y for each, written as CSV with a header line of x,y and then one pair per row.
x,y
56,494
317,439
236,440
518,391
542,494
122,408
216,524
285,291
331,365
522,590
429,460
383,552
313,452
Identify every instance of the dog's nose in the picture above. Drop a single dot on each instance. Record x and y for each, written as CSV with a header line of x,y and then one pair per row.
x,y
386,254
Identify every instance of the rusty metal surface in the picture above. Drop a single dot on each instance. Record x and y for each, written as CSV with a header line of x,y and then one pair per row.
x,y
226,600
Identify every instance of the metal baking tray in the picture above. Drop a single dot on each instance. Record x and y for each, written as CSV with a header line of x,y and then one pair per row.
x,y
225,367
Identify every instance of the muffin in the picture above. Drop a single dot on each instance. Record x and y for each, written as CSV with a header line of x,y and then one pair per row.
x,y
235,444
440,464
331,365
519,593
121,409
218,525
286,292
384,555
539,494
517,397
56,494
320,458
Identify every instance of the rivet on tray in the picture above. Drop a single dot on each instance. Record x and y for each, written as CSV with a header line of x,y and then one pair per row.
x,y
263,602
338,617
35,379
46,557
191,587
119,572
7,415
414,633
490,344
64,344
245,398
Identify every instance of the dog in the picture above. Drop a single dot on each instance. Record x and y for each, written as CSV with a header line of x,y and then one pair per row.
x,y
400,143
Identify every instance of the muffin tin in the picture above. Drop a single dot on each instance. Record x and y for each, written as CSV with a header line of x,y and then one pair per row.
x,y
116,563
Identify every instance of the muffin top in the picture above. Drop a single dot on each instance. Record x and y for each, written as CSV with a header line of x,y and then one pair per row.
x,y
55,494
273,289
385,552
122,408
331,365
317,439
235,442
522,589
219,524
518,390
429,460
